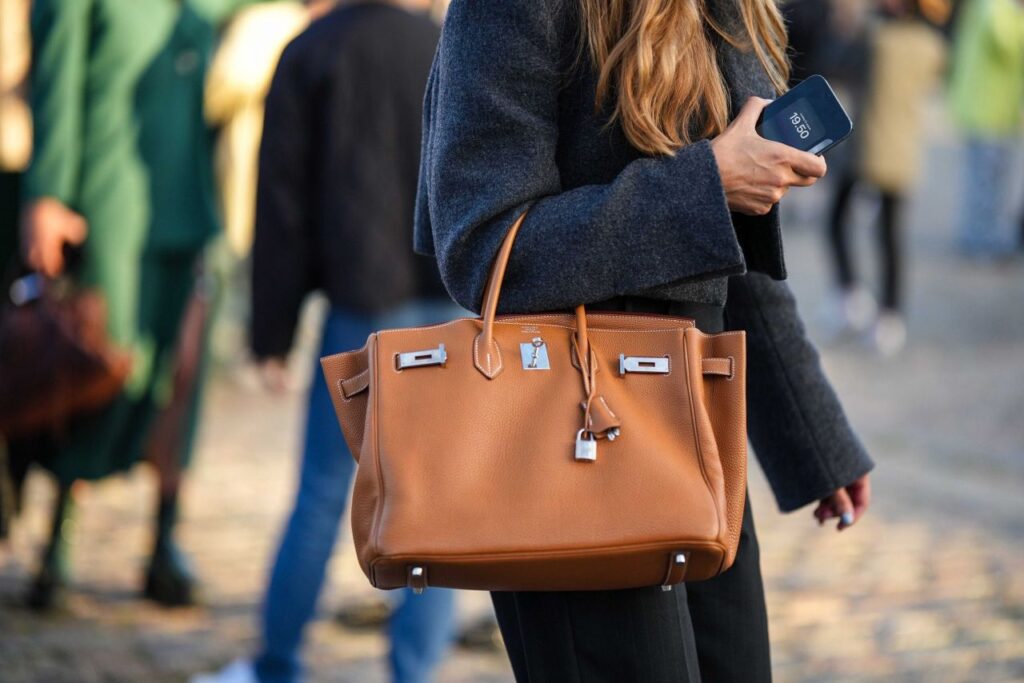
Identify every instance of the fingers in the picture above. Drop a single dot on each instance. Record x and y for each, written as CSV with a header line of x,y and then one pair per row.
x,y
849,504
751,111
843,507
804,163
823,512
51,257
47,225
840,505
860,494
75,228
802,180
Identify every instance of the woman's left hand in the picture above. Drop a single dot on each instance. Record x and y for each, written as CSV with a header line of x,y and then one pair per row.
x,y
848,504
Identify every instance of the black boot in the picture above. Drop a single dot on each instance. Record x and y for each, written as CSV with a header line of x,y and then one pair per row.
x,y
48,591
169,579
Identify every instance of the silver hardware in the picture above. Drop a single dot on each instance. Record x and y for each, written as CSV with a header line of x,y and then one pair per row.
x,y
586,449
679,560
666,589
416,359
417,573
535,354
656,365
613,434
26,289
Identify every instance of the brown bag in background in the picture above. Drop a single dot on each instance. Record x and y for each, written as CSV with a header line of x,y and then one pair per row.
x,y
545,452
56,361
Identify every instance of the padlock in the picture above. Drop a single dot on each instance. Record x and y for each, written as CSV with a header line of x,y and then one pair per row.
x,y
586,449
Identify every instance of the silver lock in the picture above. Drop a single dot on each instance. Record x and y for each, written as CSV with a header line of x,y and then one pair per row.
x,y
586,449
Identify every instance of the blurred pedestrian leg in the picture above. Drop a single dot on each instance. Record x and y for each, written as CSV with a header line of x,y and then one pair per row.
x,y
169,578
907,56
985,227
420,625
53,572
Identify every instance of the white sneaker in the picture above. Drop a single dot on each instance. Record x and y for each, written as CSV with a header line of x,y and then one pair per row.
x,y
890,334
859,308
239,671
849,312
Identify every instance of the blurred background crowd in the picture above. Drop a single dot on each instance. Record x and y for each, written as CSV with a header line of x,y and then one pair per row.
x,y
220,191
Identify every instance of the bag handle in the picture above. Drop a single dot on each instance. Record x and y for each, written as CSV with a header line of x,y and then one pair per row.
x,y
486,353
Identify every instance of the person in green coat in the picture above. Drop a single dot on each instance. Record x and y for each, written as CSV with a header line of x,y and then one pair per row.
x,y
122,167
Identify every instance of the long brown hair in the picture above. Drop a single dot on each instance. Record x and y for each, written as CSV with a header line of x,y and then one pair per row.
x,y
659,57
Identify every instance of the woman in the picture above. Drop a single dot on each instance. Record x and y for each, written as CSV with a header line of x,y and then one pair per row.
x,y
609,118
122,167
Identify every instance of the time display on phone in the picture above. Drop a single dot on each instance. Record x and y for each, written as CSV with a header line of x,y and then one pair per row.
x,y
797,125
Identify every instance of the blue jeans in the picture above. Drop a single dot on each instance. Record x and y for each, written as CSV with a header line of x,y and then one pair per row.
x,y
421,625
985,225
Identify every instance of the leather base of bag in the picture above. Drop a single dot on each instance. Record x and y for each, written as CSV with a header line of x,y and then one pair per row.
x,y
474,479
545,452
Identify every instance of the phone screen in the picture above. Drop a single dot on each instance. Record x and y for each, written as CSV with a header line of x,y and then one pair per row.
x,y
796,125
809,117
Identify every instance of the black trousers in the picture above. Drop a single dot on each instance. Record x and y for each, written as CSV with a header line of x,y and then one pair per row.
x,y
713,631
889,240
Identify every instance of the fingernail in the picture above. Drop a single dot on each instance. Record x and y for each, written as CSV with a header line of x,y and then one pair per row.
x,y
847,518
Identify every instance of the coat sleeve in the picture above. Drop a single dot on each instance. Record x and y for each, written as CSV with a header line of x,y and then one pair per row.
x,y
796,424
282,267
60,40
490,149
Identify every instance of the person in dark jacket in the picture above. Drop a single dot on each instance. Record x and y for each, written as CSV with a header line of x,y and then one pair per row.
x,y
660,198
335,199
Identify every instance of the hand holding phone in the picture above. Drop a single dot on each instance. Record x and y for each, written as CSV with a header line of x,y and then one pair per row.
x,y
755,172
809,117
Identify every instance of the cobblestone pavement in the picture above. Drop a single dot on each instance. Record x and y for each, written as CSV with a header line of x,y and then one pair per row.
x,y
929,587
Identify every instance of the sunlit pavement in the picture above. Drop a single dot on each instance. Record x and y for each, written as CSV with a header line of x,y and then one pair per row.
x,y
929,587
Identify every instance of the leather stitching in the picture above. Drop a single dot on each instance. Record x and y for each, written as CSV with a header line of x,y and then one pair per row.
x,y
353,380
713,366
700,451
489,372
379,508
688,546
517,319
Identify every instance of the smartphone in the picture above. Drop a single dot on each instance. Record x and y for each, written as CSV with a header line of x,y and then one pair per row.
x,y
809,117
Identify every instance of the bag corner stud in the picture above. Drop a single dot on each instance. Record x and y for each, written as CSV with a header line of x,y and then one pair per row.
x,y
586,449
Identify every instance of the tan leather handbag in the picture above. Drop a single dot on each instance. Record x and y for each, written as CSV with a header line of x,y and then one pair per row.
x,y
544,452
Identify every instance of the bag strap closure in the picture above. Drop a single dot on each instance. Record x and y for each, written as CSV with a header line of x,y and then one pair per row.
x,y
486,353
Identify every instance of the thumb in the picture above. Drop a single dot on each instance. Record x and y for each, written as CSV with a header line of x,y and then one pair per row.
x,y
751,111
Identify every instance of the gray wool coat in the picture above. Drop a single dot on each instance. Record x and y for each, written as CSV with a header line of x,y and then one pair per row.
x,y
509,123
